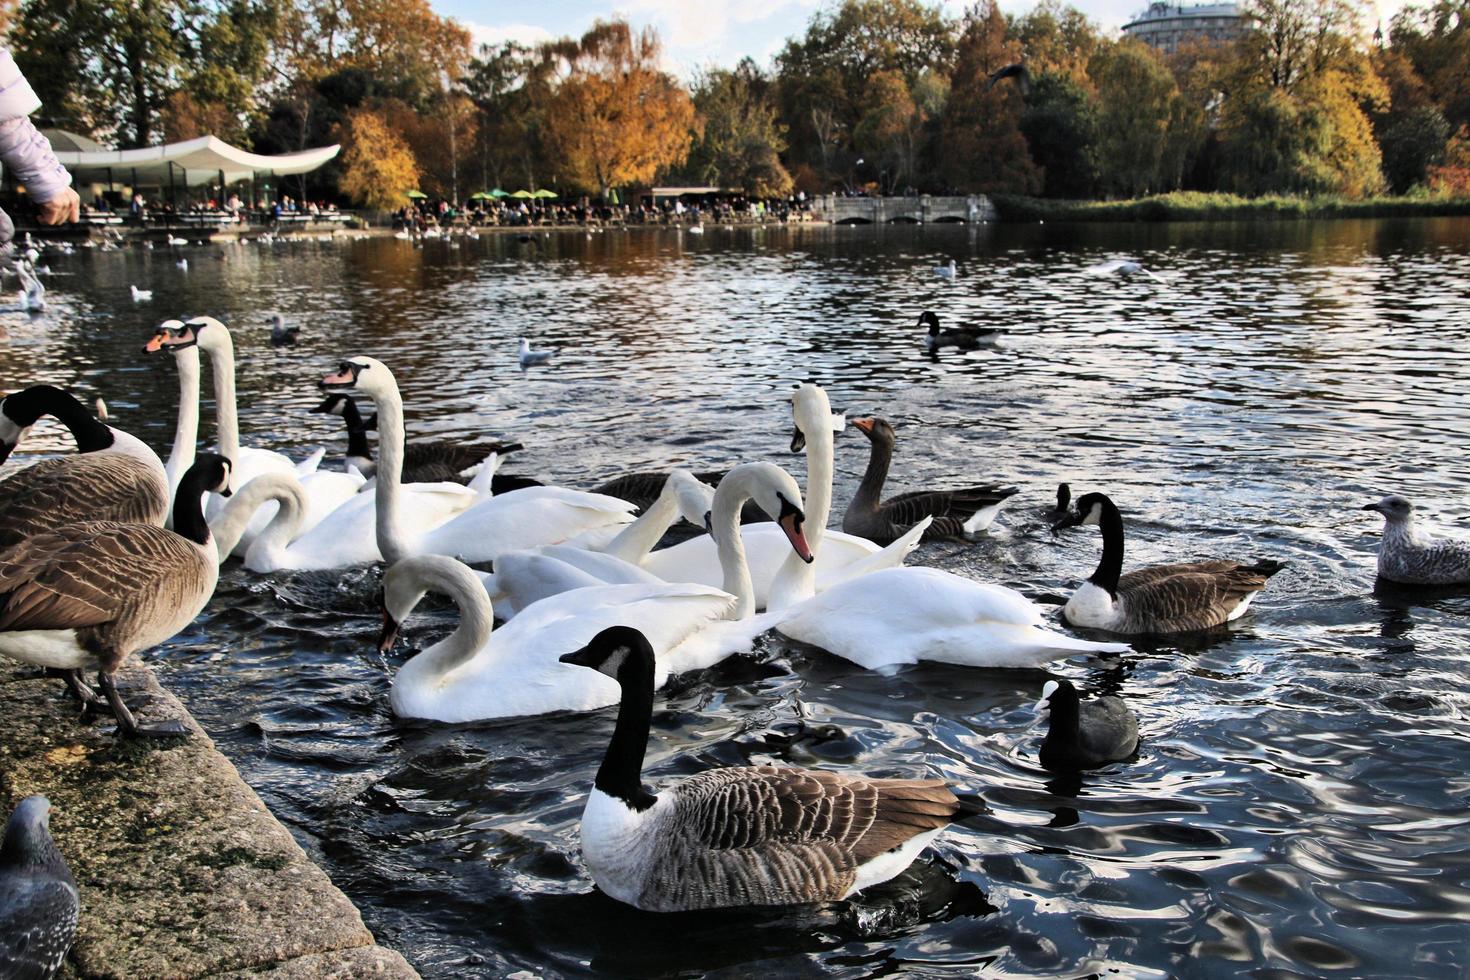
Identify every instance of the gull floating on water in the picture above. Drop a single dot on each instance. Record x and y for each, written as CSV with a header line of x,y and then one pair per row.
x,y
141,295
529,356
184,264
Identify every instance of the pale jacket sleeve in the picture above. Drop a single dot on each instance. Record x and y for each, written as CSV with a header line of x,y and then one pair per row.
x,y
22,147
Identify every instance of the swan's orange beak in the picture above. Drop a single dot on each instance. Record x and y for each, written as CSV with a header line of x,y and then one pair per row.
x,y
791,524
389,634
342,379
155,343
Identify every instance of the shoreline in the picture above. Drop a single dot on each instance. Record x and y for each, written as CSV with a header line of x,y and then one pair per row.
x,y
1210,207
183,871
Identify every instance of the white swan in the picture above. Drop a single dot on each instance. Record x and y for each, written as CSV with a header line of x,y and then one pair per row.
x,y
492,526
474,674
32,294
140,295
325,490
840,556
523,577
899,616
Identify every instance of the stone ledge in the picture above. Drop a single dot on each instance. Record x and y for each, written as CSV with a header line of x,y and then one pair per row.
x,y
183,871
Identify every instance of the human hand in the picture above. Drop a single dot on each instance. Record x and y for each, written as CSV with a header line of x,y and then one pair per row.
x,y
66,206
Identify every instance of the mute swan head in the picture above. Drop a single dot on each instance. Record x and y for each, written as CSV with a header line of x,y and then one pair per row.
x,y
812,412
775,492
209,334
1089,510
406,583
360,373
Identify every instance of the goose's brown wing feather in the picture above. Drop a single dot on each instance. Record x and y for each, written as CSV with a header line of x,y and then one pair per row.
x,y
1190,596
86,574
949,508
88,487
451,456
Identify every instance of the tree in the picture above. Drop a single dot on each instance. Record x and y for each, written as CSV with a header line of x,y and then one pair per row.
x,y
509,88
983,149
1060,125
742,140
1056,39
1436,40
378,168
1136,98
1412,143
614,118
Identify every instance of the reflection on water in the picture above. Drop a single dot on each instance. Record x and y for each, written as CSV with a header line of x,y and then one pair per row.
x,y
1299,800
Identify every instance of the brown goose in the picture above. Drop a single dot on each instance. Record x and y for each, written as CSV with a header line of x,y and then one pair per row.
x,y
957,514
89,594
114,477
752,835
423,462
1160,598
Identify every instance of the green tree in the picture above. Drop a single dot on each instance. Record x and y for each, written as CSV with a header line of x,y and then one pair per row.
x,y
1436,40
983,148
1056,39
1411,144
1136,97
742,139
1060,125
509,87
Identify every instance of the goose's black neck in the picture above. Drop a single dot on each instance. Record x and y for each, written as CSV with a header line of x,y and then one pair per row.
x,y
25,407
1110,567
621,772
870,492
189,504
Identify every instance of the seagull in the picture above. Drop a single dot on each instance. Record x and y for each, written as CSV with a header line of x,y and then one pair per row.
x,y
529,356
946,271
175,240
141,295
282,335
1122,267
184,264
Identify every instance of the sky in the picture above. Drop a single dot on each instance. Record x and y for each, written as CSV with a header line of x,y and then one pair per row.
x,y
698,33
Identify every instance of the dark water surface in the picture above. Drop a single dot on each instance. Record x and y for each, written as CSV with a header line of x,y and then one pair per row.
x,y
1299,805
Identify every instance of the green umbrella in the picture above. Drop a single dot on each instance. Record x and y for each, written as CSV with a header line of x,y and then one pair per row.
x,y
543,193
498,193
417,195
523,194
482,196
613,197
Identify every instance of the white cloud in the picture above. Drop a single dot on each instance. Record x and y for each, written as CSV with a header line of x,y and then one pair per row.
x,y
497,34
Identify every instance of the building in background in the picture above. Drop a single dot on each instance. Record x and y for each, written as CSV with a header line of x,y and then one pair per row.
x,y
1166,26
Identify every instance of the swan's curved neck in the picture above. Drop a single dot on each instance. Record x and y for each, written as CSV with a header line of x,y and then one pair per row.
x,y
227,423
1110,567
391,540
186,429
730,497
796,579
229,525
635,541
470,639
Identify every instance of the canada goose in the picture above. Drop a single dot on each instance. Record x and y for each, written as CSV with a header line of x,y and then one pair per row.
x,y
140,295
21,410
1410,556
282,335
529,356
752,835
39,904
957,514
1160,598
1084,734
964,337
437,461
91,593
642,488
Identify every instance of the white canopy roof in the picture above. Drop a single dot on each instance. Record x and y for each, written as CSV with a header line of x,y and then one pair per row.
x,y
196,161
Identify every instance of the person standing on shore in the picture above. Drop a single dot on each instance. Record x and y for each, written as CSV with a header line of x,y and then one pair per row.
x,y
27,154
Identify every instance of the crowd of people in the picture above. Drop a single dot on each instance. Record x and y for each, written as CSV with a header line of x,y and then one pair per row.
x,y
425,213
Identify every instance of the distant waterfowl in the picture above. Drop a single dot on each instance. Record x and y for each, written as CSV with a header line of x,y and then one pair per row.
x,y
39,904
1161,598
958,514
32,295
696,229
900,616
529,356
1017,71
1064,500
184,264
757,835
89,594
527,518
176,240
436,461
474,674
140,295
281,334
963,337
946,271
100,408
1084,734
1411,556
1122,267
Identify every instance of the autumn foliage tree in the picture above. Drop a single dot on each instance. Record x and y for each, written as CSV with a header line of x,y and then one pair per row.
x,y
378,168
615,118
984,150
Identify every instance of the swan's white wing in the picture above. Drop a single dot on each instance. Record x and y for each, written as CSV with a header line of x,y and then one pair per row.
x,y
349,536
766,548
522,520
309,465
524,577
890,557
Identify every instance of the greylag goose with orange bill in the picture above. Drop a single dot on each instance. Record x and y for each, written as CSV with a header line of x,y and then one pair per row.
x,y
957,514
1160,598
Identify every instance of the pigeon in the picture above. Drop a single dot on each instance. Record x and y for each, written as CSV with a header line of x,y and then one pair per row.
x,y
39,903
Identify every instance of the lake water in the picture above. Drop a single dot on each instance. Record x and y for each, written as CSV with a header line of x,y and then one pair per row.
x,y
1299,804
